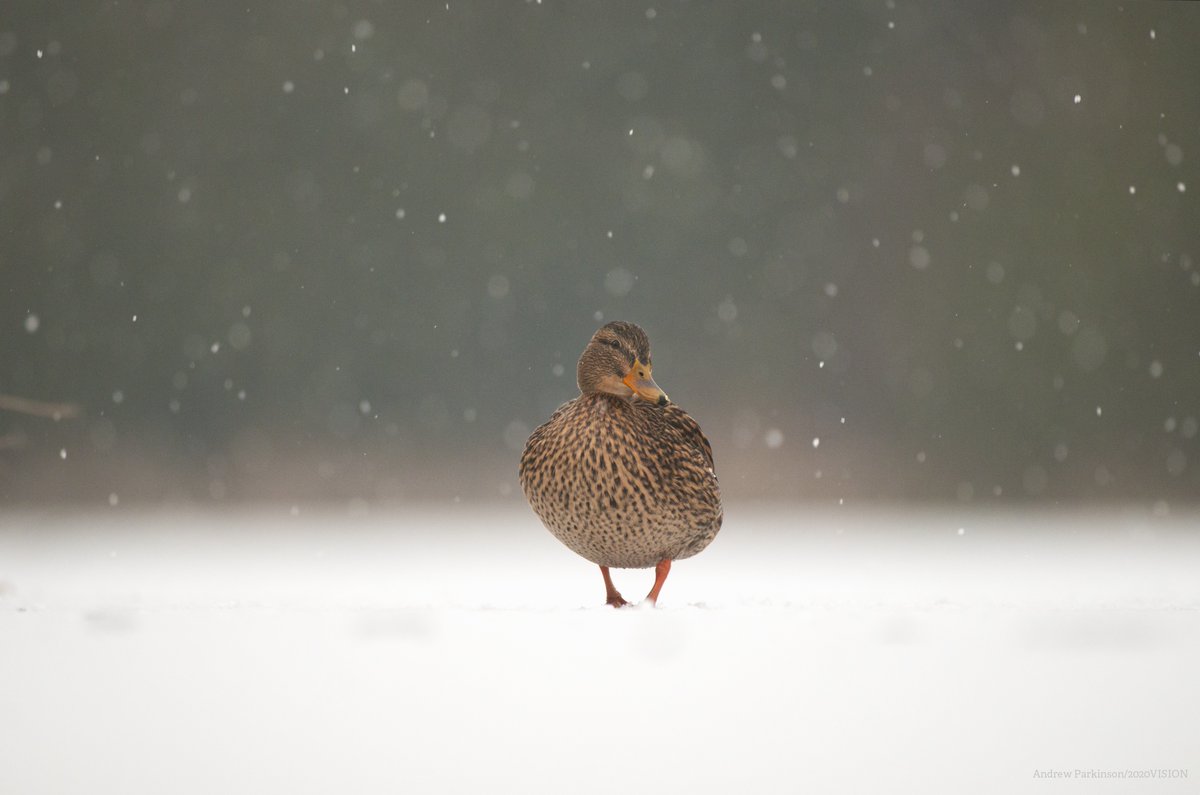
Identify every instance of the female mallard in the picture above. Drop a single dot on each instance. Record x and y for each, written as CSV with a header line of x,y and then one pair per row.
x,y
620,474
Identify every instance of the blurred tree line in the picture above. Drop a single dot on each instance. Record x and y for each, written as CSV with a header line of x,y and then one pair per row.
x,y
351,250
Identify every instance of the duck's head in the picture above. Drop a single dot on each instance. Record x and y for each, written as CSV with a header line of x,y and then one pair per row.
x,y
617,361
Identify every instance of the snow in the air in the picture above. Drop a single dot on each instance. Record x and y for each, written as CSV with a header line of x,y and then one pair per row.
x,y
198,628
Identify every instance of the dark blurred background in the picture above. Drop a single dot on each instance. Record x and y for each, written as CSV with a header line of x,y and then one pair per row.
x,y
886,250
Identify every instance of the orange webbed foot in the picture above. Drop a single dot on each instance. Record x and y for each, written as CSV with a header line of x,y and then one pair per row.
x,y
660,576
613,597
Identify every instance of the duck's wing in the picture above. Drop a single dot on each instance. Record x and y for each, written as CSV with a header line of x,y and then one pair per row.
x,y
689,430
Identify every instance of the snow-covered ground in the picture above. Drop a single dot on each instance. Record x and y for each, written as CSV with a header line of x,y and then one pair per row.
x,y
466,651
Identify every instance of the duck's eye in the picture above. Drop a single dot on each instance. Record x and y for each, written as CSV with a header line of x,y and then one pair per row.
x,y
613,343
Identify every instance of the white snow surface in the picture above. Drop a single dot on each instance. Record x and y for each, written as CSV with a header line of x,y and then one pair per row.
x,y
466,651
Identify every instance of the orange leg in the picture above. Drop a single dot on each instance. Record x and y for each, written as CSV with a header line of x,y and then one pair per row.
x,y
615,599
660,576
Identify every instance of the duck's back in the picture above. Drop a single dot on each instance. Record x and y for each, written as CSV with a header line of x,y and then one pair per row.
x,y
623,484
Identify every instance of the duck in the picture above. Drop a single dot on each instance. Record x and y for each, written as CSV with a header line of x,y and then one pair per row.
x,y
620,474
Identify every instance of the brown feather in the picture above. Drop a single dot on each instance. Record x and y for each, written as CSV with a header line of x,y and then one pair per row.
x,y
620,481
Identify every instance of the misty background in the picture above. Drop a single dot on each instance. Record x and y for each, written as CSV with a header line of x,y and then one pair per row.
x,y
884,250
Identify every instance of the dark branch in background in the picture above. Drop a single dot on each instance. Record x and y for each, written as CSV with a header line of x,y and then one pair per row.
x,y
15,440
38,408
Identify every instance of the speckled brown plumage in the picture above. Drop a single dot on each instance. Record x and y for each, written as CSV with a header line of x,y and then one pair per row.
x,y
623,480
